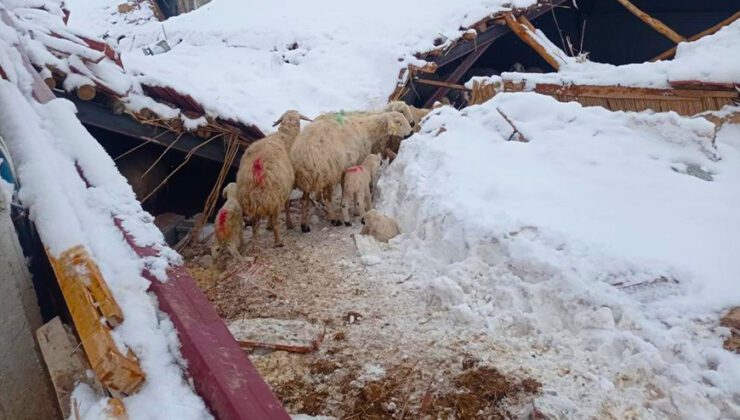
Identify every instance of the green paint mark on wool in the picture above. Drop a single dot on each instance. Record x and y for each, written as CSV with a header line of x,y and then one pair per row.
x,y
340,117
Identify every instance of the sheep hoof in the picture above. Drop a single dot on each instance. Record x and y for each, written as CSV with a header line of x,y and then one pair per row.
x,y
336,223
362,220
280,245
305,228
347,223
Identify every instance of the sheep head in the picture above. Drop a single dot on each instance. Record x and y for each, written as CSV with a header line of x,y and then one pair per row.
x,y
403,108
290,124
229,191
372,162
397,125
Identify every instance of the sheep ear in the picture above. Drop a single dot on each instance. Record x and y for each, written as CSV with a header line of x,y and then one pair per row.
x,y
225,192
305,118
279,121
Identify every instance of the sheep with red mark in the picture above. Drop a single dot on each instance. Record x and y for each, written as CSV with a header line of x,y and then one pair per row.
x,y
265,177
229,225
325,148
357,186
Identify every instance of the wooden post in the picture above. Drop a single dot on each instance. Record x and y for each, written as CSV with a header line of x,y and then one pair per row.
x,y
522,31
654,23
672,51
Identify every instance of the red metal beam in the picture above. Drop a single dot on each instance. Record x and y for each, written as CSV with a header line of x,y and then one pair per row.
x,y
224,376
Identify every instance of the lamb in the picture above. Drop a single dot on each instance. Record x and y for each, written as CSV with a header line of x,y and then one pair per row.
x,y
265,176
326,147
229,225
359,182
379,226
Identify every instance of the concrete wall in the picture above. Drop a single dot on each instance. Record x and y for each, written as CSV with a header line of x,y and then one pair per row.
x,y
25,388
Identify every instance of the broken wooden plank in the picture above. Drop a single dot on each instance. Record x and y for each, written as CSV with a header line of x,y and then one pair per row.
x,y
672,51
659,26
522,31
65,364
277,334
443,84
89,300
624,92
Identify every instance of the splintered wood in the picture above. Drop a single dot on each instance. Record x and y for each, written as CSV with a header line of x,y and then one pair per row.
x,y
64,362
277,334
89,301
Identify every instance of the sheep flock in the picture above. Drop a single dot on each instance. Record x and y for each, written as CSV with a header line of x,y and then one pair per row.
x,y
334,149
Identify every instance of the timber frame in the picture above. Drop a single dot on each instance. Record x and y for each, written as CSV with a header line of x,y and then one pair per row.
x,y
474,43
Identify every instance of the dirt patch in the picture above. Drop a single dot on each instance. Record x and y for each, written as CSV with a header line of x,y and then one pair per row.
x,y
479,394
732,321
385,355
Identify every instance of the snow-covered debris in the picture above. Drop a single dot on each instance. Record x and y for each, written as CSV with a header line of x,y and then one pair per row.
x,y
712,59
311,56
74,191
584,257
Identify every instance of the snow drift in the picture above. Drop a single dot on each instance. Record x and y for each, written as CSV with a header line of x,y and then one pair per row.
x,y
596,257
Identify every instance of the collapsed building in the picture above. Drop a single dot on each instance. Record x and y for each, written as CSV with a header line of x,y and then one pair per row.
x,y
143,115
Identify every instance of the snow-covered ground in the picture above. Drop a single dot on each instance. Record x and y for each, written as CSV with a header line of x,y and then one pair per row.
x,y
251,60
593,256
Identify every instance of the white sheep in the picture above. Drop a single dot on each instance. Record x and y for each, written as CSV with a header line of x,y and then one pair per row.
x,y
358,185
325,148
379,226
393,144
229,224
265,177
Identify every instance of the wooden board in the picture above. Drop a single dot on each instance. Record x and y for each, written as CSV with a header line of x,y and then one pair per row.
x,y
64,361
89,301
277,334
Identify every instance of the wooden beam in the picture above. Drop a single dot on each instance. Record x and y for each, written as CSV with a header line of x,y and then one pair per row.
x,y
442,84
672,51
523,32
76,273
455,76
654,23
623,92
487,33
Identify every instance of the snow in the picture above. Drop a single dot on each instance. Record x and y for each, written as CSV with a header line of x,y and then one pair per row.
x,y
713,58
344,57
583,256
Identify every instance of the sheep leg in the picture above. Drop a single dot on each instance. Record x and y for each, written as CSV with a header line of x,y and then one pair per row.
x,y
368,199
305,202
276,230
361,201
328,198
233,251
255,234
288,222
346,203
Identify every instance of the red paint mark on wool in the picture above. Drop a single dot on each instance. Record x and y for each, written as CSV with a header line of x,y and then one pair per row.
x,y
222,228
354,169
258,170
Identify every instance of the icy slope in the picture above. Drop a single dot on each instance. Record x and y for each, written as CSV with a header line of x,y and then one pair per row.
x,y
589,257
